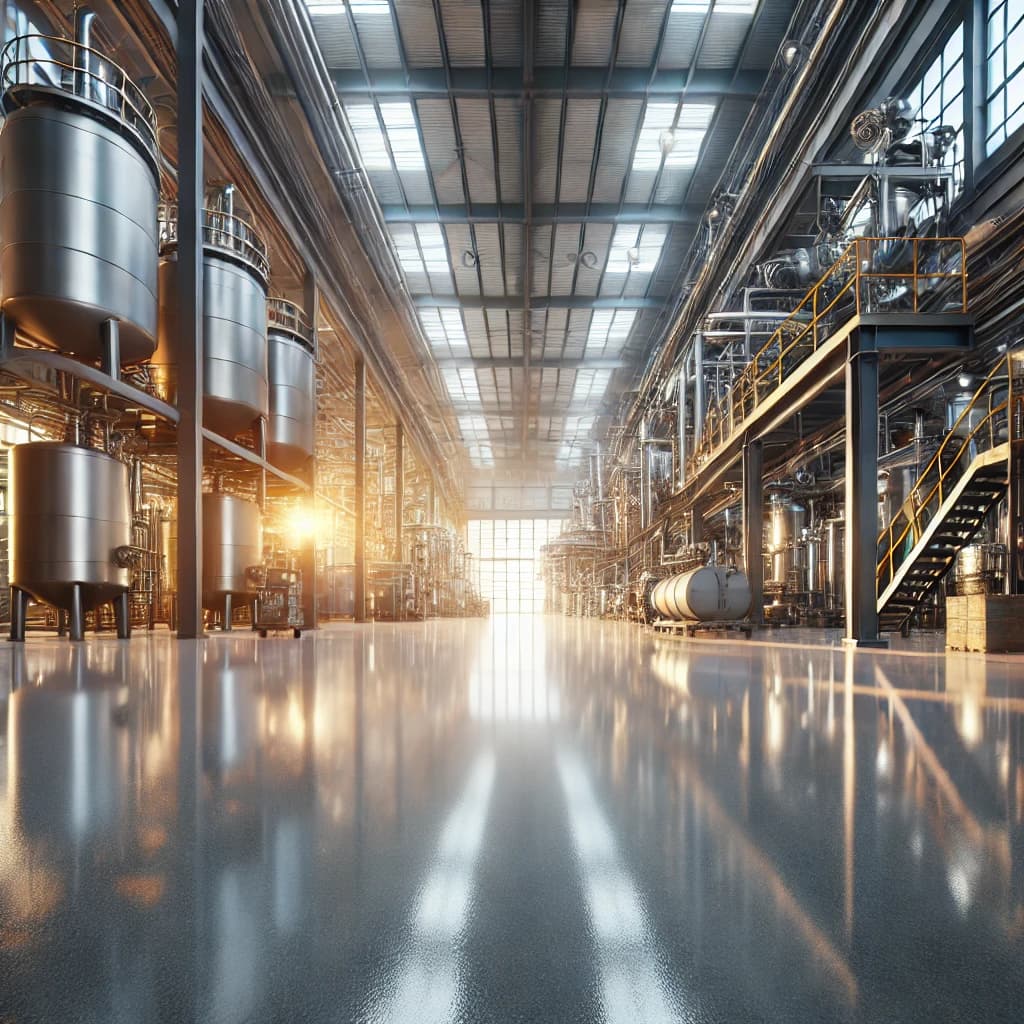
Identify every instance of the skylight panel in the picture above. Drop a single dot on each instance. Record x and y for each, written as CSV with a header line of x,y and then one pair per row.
x,y
399,134
635,248
445,331
721,7
676,139
400,125
420,249
369,6
462,384
609,329
590,385
325,7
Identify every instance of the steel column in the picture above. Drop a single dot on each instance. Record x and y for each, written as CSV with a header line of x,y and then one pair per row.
x,y
307,559
360,495
681,424
110,347
190,322
862,492
399,488
753,525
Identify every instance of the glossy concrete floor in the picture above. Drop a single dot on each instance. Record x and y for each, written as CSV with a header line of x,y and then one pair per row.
x,y
518,820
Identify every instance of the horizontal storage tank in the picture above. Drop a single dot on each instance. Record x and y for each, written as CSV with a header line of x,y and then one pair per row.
x,y
78,199
235,271
232,541
708,594
291,366
70,520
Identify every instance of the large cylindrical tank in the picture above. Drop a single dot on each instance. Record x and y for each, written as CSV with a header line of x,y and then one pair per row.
x,y
786,521
78,200
835,564
290,365
234,323
707,594
232,541
70,517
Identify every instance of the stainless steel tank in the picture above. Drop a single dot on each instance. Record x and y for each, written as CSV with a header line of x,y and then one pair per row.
x,y
708,594
235,271
786,521
70,523
232,541
835,564
290,364
78,199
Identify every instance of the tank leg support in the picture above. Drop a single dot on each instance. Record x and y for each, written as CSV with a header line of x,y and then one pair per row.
x,y
123,616
227,613
77,615
62,622
19,611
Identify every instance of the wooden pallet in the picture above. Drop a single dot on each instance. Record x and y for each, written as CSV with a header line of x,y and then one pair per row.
x,y
687,628
985,622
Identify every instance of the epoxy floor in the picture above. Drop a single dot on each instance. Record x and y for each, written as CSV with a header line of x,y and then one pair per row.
x,y
508,821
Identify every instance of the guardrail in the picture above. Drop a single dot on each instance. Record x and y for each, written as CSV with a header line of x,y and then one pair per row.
x,y
909,275
51,62
221,231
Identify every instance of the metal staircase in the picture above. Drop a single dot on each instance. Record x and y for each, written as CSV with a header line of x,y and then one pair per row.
x,y
953,526
966,478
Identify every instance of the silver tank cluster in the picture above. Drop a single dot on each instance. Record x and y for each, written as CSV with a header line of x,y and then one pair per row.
x,y
708,594
232,545
291,357
78,197
235,276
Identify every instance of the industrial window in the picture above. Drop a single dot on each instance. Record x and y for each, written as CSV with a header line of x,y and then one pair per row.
x,y
939,97
1004,71
421,248
508,557
445,331
399,134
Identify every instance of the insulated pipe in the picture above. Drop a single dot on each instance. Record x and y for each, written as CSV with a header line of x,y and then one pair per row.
x,y
698,389
84,19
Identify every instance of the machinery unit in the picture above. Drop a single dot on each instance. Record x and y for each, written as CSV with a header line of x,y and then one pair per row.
x,y
78,198
291,358
70,533
708,594
232,546
235,273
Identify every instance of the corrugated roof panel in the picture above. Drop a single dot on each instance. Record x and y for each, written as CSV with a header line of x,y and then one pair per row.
x,y
463,32
416,186
418,26
576,335
538,336
540,259
596,239
476,333
515,332
593,32
488,249
564,258
719,144
640,31
621,124
681,37
478,148
546,127
506,33
435,117
376,34
768,33
578,149
677,244
672,185
724,39
497,327
508,119
404,238
385,186
550,20
335,38
640,185
459,241
554,333
513,236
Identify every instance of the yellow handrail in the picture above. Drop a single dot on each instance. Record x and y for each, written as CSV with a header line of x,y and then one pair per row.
x,y
944,461
851,279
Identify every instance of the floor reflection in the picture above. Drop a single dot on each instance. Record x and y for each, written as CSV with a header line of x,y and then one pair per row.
x,y
519,819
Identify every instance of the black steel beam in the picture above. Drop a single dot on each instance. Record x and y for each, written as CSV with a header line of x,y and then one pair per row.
x,y
537,302
543,213
190,318
542,82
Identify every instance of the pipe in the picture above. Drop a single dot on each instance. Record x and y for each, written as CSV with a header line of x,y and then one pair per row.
x,y
84,18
